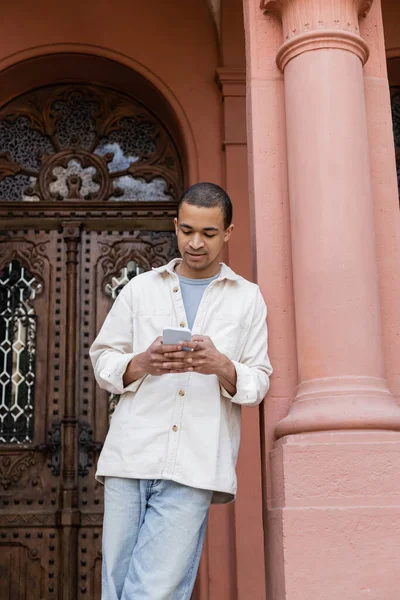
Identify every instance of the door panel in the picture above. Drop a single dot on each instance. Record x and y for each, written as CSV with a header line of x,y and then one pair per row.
x,y
108,260
29,469
51,505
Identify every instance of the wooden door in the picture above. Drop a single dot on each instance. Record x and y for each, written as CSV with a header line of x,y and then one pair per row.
x,y
55,290
73,230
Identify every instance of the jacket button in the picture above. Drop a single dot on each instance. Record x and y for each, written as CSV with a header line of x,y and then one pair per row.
x,y
182,324
181,392
176,289
175,428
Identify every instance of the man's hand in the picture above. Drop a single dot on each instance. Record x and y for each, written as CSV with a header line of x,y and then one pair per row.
x,y
153,361
206,359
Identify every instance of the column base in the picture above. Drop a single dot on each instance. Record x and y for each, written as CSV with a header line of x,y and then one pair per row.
x,y
337,403
334,522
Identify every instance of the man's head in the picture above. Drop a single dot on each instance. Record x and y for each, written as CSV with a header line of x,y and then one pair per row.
x,y
202,227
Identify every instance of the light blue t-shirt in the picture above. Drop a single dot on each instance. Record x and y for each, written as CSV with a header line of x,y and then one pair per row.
x,y
192,293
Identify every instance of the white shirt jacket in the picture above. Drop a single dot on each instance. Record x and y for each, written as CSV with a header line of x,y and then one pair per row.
x,y
183,427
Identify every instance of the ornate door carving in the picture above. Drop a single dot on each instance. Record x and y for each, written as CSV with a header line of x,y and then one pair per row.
x,y
88,185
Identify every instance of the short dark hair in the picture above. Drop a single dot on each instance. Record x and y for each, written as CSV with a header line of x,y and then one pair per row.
x,y
208,195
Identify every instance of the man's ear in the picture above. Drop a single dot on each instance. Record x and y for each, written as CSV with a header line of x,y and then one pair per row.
x,y
176,225
228,232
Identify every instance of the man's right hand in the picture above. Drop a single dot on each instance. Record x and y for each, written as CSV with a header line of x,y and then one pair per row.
x,y
153,362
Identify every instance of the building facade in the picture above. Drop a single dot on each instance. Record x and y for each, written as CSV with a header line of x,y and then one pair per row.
x,y
107,112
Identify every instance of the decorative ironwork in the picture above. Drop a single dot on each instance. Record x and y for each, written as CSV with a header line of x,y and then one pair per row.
x,y
87,448
396,128
53,448
84,143
113,287
18,289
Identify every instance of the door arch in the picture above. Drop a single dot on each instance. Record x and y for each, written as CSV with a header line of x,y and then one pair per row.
x,y
89,179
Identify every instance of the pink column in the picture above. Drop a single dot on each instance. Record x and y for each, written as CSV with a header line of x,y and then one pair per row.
x,y
334,500
338,319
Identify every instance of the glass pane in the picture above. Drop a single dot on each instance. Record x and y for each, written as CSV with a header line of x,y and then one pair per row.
x,y
120,161
112,289
134,136
76,125
18,289
128,188
25,144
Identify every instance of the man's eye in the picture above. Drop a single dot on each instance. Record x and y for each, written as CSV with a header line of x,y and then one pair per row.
x,y
210,235
185,232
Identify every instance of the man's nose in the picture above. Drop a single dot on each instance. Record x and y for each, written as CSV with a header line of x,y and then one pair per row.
x,y
196,242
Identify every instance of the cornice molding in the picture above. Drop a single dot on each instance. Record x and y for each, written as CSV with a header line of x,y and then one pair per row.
x,y
231,74
313,24
231,80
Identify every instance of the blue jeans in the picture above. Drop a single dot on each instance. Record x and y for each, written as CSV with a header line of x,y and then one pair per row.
x,y
153,535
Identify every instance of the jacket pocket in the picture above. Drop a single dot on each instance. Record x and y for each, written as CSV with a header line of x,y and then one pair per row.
x,y
228,333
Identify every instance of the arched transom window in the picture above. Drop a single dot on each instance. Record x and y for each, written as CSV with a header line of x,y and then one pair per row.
x,y
84,143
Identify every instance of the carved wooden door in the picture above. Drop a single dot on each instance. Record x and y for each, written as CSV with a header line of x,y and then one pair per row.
x,y
72,234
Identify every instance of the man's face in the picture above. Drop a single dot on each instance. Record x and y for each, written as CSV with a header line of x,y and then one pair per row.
x,y
201,235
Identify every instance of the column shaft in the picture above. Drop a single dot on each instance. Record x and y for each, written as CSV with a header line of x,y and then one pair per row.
x,y
336,284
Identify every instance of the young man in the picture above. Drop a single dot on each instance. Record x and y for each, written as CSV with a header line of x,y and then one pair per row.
x,y
174,437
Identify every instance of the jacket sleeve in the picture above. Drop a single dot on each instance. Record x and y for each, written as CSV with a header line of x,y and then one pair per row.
x,y
254,368
112,350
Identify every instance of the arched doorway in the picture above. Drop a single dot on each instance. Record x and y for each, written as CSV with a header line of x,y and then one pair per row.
x,y
89,178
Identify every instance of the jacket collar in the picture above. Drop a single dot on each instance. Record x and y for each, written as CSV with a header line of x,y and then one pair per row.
x,y
226,272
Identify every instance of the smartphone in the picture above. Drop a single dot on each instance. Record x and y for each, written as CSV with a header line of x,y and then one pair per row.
x,y
174,335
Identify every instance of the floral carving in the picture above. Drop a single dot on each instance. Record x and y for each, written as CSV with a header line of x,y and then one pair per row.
x,y
12,467
32,256
84,143
148,251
